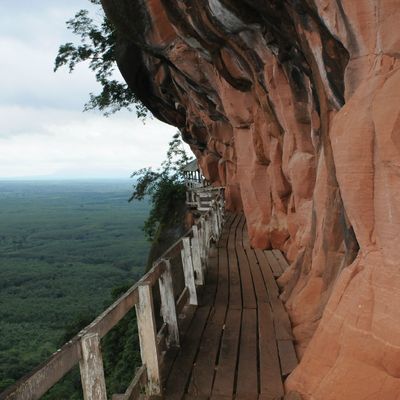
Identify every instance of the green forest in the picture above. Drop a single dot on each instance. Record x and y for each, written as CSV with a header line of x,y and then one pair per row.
x,y
67,249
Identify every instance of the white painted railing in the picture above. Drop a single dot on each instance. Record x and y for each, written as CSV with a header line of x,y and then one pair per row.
x,y
200,198
192,249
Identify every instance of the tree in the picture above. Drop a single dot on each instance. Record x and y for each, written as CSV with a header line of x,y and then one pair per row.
x,y
98,47
165,187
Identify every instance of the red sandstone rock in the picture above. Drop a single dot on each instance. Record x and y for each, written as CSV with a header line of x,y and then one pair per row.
x,y
294,106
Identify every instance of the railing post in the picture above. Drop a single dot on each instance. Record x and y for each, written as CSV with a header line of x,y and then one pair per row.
x,y
215,220
207,231
198,201
219,223
202,241
211,221
91,368
148,337
188,271
197,266
168,307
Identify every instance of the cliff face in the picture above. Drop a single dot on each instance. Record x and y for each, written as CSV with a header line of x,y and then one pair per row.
x,y
294,106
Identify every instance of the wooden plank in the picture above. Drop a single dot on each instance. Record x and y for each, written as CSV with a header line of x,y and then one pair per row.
x,y
267,397
225,374
176,247
247,378
202,240
207,233
222,295
135,387
226,227
154,274
162,339
91,368
271,386
204,368
208,295
247,397
188,271
182,367
113,314
239,230
218,219
287,356
248,295
35,384
148,338
213,221
110,317
258,280
182,301
185,320
235,290
168,307
203,371
283,327
196,255
281,259
269,280
273,262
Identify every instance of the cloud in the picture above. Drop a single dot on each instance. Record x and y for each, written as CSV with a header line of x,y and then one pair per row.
x,y
42,129
27,78
73,144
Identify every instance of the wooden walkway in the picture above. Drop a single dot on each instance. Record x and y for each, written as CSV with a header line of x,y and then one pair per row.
x,y
238,342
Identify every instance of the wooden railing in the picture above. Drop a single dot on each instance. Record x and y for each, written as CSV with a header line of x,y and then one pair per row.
x,y
190,253
200,198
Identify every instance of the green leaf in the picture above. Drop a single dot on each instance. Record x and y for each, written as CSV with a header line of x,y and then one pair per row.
x,y
96,45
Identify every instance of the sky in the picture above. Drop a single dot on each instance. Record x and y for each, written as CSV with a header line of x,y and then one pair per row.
x,y
43,132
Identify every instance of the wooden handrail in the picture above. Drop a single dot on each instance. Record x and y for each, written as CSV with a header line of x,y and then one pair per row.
x,y
193,248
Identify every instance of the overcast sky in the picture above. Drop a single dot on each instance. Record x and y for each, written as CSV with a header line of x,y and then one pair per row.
x,y
43,131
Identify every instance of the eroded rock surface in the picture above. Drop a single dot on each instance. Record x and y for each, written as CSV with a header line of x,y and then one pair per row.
x,y
294,105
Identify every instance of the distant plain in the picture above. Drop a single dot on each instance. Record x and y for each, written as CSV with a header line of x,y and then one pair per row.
x,y
63,246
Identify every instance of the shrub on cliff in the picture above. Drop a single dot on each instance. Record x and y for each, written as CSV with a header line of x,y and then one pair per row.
x,y
165,187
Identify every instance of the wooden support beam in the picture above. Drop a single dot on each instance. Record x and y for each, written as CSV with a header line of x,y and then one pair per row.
x,y
188,271
202,244
168,308
134,389
196,257
207,234
91,368
217,212
148,338
182,301
213,221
